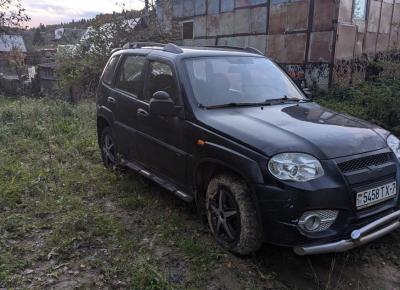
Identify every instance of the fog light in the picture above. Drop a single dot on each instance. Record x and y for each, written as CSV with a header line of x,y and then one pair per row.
x,y
317,221
312,222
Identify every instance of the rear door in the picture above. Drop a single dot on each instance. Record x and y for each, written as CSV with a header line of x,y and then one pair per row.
x,y
159,143
128,88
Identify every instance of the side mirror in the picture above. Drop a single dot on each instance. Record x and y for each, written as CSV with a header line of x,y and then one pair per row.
x,y
161,104
306,90
308,93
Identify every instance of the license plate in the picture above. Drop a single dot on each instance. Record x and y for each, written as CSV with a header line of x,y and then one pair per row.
x,y
376,195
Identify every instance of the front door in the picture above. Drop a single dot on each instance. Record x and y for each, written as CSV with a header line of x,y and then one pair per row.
x,y
159,142
128,88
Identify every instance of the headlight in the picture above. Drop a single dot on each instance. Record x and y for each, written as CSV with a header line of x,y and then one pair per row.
x,y
394,144
295,167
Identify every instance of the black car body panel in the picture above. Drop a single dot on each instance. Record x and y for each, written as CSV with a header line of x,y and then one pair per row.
x,y
243,140
295,128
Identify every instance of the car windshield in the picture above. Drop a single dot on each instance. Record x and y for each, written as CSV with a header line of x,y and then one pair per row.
x,y
238,80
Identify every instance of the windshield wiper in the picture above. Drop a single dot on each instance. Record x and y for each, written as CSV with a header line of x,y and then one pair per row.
x,y
231,105
286,99
268,102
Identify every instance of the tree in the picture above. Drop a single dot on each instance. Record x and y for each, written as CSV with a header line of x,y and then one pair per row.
x,y
17,63
37,37
83,65
12,14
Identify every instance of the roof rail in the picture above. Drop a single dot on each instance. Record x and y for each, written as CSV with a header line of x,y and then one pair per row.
x,y
253,50
133,45
170,47
173,48
247,49
115,50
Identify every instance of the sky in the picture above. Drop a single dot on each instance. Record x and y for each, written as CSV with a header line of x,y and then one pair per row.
x,y
54,12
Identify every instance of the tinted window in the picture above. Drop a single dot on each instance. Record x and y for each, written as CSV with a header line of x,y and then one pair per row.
x,y
130,78
223,80
110,69
162,79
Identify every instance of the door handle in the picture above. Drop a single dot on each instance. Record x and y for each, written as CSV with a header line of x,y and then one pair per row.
x,y
142,112
111,100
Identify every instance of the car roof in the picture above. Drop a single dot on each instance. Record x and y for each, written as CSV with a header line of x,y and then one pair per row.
x,y
173,51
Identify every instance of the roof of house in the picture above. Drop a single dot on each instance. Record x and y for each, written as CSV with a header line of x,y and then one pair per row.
x,y
9,42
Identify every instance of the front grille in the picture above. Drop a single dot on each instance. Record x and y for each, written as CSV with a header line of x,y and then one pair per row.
x,y
365,162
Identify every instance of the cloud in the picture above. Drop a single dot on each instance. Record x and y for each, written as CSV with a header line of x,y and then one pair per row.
x,y
51,12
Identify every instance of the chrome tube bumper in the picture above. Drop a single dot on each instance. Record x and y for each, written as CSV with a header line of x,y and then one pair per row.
x,y
359,237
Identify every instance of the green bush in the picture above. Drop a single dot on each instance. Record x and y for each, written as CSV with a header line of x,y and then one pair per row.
x,y
377,101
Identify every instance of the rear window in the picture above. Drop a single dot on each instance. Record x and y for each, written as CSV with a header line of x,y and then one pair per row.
x,y
110,69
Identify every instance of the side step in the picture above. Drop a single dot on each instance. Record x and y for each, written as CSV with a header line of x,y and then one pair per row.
x,y
160,181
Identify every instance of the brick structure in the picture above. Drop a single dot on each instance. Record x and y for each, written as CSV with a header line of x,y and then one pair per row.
x,y
307,37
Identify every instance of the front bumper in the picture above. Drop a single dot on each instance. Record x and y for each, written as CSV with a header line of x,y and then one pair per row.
x,y
281,204
364,235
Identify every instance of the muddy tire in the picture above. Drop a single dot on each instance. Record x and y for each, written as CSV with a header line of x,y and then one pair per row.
x,y
108,148
232,215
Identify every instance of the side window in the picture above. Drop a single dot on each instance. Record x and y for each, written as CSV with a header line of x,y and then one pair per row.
x,y
110,69
161,78
130,78
359,9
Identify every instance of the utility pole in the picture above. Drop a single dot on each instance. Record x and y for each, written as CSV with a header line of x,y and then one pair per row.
x,y
146,8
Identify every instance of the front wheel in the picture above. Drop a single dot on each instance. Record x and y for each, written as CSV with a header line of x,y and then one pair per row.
x,y
232,216
108,149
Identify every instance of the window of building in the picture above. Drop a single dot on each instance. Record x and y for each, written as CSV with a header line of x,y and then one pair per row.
x,y
130,78
187,30
359,9
162,79
110,69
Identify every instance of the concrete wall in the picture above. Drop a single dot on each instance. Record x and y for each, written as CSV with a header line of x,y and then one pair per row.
x,y
379,32
359,39
307,37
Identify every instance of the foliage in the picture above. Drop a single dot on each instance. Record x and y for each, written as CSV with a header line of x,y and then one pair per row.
x,y
82,66
18,66
377,100
37,37
12,14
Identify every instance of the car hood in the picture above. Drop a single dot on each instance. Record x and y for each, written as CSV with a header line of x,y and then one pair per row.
x,y
306,127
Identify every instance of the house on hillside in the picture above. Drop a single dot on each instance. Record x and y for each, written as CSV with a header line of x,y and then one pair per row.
x,y
312,39
68,35
8,43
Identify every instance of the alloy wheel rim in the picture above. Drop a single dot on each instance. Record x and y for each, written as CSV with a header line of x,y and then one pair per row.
x,y
109,150
224,216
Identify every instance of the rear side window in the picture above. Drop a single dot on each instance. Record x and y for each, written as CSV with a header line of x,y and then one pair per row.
x,y
110,69
130,77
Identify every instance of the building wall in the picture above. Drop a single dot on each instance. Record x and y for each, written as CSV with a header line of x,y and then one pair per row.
x,y
378,32
307,37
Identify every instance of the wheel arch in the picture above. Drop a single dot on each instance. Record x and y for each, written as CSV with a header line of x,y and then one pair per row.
x,y
223,161
102,123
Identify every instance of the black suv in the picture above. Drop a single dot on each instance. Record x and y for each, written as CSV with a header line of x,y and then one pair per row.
x,y
226,128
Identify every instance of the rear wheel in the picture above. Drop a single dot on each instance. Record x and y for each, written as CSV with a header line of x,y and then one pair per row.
x,y
108,148
231,215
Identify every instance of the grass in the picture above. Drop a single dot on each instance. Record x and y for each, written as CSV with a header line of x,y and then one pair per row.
x,y
64,218
59,205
